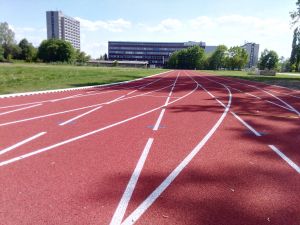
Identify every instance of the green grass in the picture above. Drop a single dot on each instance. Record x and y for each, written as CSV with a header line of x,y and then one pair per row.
x,y
22,77
289,81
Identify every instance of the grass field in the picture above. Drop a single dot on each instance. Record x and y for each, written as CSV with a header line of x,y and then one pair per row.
x,y
15,78
289,81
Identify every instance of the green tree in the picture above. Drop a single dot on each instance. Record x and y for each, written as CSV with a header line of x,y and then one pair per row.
x,y
1,54
82,57
237,58
218,58
55,50
28,52
7,36
268,60
295,15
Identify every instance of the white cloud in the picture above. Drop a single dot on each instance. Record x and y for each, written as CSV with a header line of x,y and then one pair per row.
x,y
118,25
166,25
202,22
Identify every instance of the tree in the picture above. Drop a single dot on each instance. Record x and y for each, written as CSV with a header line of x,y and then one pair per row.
x,y
28,52
105,57
218,58
55,50
7,36
295,15
1,54
268,60
82,57
237,58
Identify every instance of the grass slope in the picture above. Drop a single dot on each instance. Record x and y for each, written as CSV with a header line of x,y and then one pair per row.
x,y
289,81
15,78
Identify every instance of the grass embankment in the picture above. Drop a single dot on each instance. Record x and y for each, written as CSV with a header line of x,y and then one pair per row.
x,y
16,78
289,81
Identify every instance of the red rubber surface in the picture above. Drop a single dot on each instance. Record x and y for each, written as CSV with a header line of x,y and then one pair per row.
x,y
235,179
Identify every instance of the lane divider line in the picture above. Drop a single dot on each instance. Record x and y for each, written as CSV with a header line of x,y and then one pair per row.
x,y
246,124
156,127
21,109
142,208
21,143
51,147
79,116
285,158
121,209
273,103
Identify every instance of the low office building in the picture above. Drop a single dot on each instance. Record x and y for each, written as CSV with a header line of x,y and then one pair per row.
x,y
63,27
156,53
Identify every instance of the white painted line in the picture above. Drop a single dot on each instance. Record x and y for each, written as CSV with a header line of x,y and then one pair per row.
x,y
80,88
246,124
48,115
21,109
89,133
253,95
69,97
285,158
121,209
141,209
21,143
114,100
166,103
273,103
159,120
79,116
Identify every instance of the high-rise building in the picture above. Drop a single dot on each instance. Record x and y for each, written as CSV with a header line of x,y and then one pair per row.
x,y
63,27
252,50
156,53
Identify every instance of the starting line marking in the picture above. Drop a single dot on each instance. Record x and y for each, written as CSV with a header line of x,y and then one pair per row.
x,y
22,143
16,110
121,209
285,158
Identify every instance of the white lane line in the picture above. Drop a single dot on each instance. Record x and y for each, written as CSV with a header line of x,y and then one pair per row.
x,y
162,112
141,209
21,143
79,116
77,109
89,133
21,109
285,158
48,115
155,128
273,103
121,209
253,95
246,124
82,95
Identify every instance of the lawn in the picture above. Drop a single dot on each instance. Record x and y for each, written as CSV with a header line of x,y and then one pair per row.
x,y
15,78
289,81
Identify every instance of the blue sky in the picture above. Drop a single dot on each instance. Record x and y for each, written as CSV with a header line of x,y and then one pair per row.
x,y
230,22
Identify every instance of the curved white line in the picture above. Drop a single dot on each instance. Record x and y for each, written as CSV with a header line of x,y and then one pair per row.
x,y
141,209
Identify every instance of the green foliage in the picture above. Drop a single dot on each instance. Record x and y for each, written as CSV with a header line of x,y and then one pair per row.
x,y
11,51
268,60
295,54
295,15
1,54
82,57
28,52
218,59
190,58
7,36
55,50
115,63
237,58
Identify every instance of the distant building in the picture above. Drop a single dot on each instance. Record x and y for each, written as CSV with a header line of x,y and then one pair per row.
x,y
252,50
63,27
156,53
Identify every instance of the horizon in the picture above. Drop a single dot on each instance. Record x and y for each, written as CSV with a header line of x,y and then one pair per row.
x,y
223,22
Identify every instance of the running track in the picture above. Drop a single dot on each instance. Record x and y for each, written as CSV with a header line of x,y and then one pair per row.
x,y
175,148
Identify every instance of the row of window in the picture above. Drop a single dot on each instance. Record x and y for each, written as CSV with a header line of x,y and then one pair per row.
x,y
136,57
140,53
145,49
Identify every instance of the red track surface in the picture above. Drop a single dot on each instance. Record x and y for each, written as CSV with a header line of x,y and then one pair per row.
x,y
177,148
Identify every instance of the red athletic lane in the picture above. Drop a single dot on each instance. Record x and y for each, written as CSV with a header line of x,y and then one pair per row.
x,y
163,150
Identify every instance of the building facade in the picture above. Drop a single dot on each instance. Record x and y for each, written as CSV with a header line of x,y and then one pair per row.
x,y
252,50
63,27
156,53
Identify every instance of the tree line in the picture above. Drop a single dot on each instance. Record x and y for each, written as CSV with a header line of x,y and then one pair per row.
x,y
52,50
234,58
